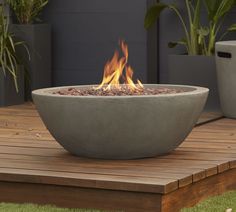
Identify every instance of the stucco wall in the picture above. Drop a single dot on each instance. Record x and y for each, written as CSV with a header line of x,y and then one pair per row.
x,y
85,34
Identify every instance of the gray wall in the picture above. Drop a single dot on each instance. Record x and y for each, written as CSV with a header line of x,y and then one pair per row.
x,y
86,32
170,30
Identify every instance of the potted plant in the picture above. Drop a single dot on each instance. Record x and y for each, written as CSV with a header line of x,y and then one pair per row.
x,y
37,36
11,72
197,65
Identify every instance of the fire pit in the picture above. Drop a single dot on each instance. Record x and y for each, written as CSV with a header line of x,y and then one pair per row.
x,y
120,121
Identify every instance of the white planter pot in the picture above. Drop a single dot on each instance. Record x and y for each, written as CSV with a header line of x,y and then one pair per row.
x,y
226,74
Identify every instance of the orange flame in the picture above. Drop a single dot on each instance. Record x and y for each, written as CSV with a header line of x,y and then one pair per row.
x,y
113,72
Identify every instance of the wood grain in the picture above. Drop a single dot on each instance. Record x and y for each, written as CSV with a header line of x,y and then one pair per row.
x,y
31,159
192,194
71,197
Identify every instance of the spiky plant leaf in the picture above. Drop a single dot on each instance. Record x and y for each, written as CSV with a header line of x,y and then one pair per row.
x,y
27,11
8,57
180,42
232,28
153,14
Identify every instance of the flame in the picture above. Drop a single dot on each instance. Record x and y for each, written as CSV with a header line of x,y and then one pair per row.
x,y
114,72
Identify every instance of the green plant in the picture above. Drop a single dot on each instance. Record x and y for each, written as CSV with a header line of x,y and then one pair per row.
x,y
8,57
199,39
27,11
10,207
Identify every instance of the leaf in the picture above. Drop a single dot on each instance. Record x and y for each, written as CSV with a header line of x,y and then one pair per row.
x,y
197,14
27,11
212,7
203,31
8,56
180,42
153,14
224,7
232,28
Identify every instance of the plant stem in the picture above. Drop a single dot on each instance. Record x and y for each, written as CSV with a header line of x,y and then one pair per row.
x,y
189,12
192,46
184,27
212,38
222,36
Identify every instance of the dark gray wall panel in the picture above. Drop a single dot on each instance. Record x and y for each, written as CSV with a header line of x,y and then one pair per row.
x,y
86,33
98,6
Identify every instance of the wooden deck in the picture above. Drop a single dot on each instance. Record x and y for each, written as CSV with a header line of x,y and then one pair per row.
x,y
34,168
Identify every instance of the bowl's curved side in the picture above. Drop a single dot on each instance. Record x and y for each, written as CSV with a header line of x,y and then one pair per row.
x,y
120,128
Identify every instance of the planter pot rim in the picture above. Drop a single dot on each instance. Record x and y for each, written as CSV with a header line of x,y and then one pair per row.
x,y
189,90
187,55
37,24
228,43
31,25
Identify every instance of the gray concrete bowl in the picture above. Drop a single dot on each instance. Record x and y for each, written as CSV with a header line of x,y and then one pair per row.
x,y
116,127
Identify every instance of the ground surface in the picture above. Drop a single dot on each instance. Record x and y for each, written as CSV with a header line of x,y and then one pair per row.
x,y
7,207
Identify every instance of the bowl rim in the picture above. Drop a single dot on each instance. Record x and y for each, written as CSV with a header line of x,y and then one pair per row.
x,y
196,90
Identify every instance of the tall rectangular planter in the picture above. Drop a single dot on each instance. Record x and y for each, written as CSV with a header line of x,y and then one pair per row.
x,y
8,94
198,71
38,39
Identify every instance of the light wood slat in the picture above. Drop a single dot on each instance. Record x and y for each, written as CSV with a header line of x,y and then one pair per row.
x,y
209,150
162,165
195,143
30,133
126,169
16,142
198,156
208,117
141,184
17,113
183,178
210,141
14,122
214,136
212,145
60,153
194,169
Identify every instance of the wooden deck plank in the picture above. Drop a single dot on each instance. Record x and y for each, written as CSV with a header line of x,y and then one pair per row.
x,y
74,197
25,134
164,163
207,117
190,195
29,154
86,180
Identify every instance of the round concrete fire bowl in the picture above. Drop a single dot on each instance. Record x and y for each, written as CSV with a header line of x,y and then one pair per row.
x,y
121,127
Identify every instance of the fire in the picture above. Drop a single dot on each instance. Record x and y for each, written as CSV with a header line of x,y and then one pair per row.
x,y
114,72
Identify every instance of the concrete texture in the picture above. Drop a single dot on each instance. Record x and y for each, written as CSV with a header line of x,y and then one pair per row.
x,y
196,71
121,127
85,34
226,63
8,94
38,40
